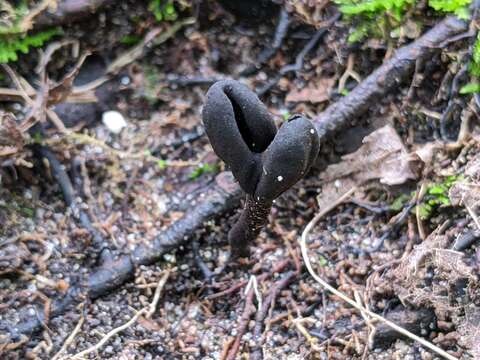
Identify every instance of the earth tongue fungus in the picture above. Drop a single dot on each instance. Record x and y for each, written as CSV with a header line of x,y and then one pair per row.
x,y
265,162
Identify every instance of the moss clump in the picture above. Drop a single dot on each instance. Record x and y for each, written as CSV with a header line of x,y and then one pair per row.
x,y
384,18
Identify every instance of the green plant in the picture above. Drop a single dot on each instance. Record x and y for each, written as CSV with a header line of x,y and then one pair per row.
x,y
436,196
10,46
470,88
14,36
163,10
203,169
130,40
475,64
371,7
373,17
162,164
457,7
384,18
474,69
400,202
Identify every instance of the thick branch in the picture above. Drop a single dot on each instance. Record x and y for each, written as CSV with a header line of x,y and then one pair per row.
x,y
68,11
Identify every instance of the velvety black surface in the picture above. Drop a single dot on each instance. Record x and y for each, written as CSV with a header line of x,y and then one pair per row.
x,y
239,127
243,134
288,158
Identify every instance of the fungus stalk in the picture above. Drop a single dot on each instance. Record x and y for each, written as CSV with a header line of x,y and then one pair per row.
x,y
248,226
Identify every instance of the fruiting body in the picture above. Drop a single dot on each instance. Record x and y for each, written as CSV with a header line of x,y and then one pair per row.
x,y
266,162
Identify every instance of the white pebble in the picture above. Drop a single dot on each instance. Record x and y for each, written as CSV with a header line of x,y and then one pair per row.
x,y
114,121
125,80
280,178
312,131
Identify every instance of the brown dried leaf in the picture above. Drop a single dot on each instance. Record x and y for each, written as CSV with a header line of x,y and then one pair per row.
x,y
314,93
382,156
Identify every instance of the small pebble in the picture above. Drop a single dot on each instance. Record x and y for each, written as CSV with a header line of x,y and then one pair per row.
x,y
114,121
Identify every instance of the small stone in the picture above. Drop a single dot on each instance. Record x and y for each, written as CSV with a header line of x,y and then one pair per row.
x,y
280,178
114,121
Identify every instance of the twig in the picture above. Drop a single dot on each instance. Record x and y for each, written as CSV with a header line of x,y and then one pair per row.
x,y
300,58
452,102
466,240
207,273
256,352
63,180
69,340
277,268
267,53
148,311
112,333
27,21
253,283
24,90
158,292
68,11
349,73
421,193
353,303
242,326
395,223
184,81
473,215
298,323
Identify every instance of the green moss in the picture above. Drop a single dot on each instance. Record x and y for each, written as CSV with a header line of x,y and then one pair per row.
x,y
11,46
399,203
457,7
470,88
162,164
384,18
474,69
130,39
163,10
436,196
203,169
13,36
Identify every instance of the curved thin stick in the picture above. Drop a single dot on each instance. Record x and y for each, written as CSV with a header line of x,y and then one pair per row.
x,y
363,310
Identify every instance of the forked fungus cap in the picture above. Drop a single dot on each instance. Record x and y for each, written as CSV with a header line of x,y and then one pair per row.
x,y
242,133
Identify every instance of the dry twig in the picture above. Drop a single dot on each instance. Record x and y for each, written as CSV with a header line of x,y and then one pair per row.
x,y
70,339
